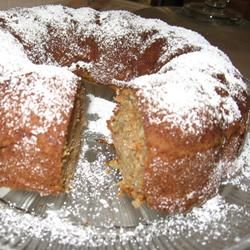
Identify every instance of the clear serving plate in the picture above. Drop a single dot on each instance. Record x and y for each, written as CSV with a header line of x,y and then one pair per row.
x,y
93,216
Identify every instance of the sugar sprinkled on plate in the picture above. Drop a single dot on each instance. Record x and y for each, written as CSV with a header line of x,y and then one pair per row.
x,y
104,109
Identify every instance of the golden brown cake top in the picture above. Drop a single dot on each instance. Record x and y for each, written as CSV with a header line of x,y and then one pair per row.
x,y
194,92
36,95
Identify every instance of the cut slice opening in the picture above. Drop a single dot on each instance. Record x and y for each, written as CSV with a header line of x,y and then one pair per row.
x,y
73,140
128,137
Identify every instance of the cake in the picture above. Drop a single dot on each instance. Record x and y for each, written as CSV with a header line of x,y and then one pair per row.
x,y
182,107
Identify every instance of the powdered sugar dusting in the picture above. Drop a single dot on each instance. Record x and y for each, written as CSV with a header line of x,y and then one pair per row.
x,y
93,215
187,93
12,57
39,94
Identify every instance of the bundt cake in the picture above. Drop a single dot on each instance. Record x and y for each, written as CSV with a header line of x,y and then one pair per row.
x,y
182,107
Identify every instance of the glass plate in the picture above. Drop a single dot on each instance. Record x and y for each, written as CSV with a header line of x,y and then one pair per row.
x,y
92,215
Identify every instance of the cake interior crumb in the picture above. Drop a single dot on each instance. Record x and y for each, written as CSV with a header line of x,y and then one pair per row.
x,y
129,141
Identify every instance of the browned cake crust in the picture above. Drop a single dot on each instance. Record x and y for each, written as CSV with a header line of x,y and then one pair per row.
x,y
35,131
182,106
166,167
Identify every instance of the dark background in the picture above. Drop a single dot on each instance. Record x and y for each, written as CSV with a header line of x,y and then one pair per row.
x,y
243,6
